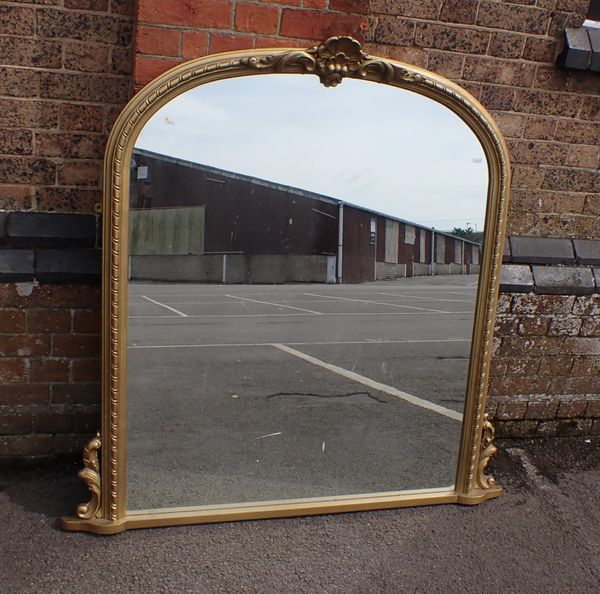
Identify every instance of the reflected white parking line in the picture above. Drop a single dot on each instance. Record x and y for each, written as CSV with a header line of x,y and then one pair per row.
x,y
365,381
421,298
317,313
324,342
309,314
179,313
379,303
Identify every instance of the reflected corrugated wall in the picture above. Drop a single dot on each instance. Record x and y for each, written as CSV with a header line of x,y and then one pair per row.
x,y
166,231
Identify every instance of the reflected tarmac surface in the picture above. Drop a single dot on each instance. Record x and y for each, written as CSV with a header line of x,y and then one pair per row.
x,y
253,392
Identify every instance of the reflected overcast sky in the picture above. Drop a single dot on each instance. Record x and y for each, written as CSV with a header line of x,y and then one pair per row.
x,y
377,146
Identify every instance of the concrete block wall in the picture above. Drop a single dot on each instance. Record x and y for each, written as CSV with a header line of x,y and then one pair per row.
x,y
310,269
389,270
447,268
181,269
545,376
420,269
230,268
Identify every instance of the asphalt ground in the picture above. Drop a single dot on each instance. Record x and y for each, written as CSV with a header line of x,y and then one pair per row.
x,y
252,392
540,536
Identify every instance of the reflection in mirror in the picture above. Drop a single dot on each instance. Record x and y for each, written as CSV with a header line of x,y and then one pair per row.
x,y
303,268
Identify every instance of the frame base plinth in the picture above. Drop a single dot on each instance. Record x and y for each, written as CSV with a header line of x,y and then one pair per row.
x,y
96,526
479,495
269,510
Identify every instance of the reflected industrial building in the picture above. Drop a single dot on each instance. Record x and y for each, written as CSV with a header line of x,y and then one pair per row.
x,y
194,223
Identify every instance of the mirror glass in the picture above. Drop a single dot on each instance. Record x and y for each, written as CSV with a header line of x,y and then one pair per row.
x,y
303,268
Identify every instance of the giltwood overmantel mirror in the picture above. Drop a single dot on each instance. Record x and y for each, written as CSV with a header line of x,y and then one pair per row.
x,y
301,258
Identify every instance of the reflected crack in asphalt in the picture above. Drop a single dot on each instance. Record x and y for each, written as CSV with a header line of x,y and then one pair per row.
x,y
325,396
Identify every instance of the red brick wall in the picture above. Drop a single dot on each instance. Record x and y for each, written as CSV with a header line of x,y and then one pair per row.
x,y
49,369
67,77
545,376
169,33
66,74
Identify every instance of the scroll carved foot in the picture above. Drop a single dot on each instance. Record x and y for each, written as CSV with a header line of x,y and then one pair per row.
x,y
90,474
485,481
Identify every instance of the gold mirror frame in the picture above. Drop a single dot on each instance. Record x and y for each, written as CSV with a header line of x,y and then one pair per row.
x,y
332,61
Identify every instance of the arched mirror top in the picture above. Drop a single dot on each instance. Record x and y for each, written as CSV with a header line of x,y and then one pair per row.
x,y
334,60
